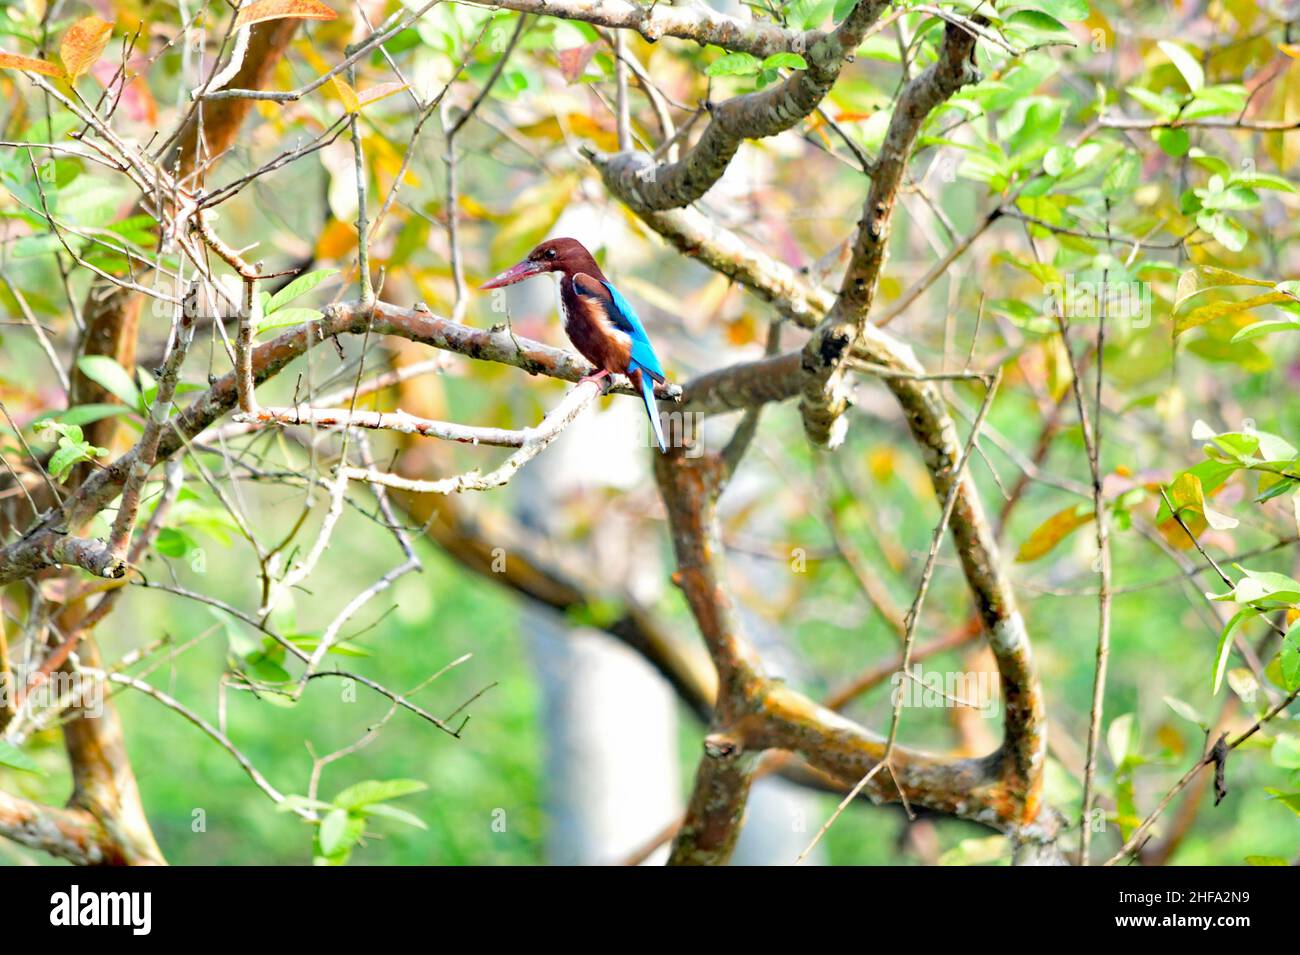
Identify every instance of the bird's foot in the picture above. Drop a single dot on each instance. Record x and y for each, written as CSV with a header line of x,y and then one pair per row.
x,y
598,379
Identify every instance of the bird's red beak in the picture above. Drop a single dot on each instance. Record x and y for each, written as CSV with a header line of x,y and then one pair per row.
x,y
516,273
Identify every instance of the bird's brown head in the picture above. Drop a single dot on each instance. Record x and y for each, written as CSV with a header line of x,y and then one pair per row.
x,y
554,255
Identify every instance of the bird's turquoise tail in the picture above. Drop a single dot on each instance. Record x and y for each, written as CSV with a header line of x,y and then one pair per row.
x,y
648,396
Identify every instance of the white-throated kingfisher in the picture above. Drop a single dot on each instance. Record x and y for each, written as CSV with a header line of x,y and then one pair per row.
x,y
599,321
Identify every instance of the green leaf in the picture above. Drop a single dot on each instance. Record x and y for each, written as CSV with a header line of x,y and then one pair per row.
x,y
1030,123
808,14
294,803
68,431
734,64
1243,683
1265,860
68,455
1216,101
1290,800
309,642
15,758
371,791
268,671
1069,10
1186,711
297,288
843,8
288,318
1225,644
85,414
1057,160
1119,737
1123,174
396,814
1187,65
1263,180
112,377
1260,329
1288,658
1226,231
1286,751
1246,448
1262,585
173,543
339,830
785,61
1236,198
1163,106
1172,141
1033,28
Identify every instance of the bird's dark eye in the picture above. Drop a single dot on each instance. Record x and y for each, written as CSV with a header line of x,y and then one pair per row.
x,y
550,253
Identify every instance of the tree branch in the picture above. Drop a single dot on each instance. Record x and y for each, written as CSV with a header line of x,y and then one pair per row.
x,y
645,187
826,395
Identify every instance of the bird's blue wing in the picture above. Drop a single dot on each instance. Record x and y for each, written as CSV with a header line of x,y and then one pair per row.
x,y
625,319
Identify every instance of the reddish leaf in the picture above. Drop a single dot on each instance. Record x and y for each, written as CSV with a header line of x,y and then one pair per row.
x,y
380,91
137,100
574,60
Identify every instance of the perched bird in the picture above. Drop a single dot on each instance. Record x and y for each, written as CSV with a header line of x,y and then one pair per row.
x,y
599,321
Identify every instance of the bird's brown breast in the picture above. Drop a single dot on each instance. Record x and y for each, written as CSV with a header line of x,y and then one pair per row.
x,y
591,332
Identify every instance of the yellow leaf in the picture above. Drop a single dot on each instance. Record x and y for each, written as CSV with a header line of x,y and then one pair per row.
x,y
12,61
1290,49
535,211
1208,313
83,45
1170,739
337,240
882,462
386,160
375,93
346,93
476,210
740,331
309,53
1052,531
1060,372
583,126
1188,498
263,10
1201,278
